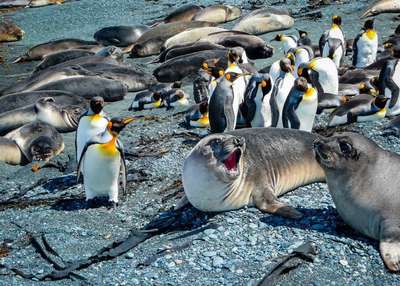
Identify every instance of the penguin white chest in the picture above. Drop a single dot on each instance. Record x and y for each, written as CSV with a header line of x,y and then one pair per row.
x,y
284,88
262,118
101,169
88,128
366,50
307,109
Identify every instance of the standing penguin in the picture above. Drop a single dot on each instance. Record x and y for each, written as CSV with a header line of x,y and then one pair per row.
x,y
289,42
280,92
91,124
389,85
222,109
335,32
302,55
300,106
304,40
256,108
102,162
335,50
365,46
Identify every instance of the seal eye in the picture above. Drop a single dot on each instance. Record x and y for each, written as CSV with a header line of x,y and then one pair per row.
x,y
345,148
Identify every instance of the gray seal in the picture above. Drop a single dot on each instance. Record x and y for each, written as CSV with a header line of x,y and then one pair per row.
x,y
363,181
62,56
382,6
36,141
120,36
184,13
250,167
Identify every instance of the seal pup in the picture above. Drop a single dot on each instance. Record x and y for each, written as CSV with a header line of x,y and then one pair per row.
x,y
119,36
250,167
218,14
150,42
102,163
10,32
365,46
39,51
36,141
382,6
357,173
63,117
300,106
265,20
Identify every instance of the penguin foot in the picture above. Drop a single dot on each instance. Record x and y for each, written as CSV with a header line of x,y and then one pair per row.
x,y
91,204
111,205
99,202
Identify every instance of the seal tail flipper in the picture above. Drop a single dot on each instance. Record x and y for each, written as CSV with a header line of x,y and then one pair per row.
x,y
20,59
127,49
278,208
390,252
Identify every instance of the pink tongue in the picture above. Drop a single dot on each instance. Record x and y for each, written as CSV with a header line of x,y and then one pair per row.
x,y
230,162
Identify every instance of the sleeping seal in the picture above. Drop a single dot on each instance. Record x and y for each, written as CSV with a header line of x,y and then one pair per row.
x,y
218,14
250,167
119,36
60,57
363,181
382,6
36,141
265,20
184,13
63,117
10,32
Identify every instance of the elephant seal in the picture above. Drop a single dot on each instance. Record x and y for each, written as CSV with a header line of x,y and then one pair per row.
x,y
10,32
90,86
250,167
63,117
151,41
181,50
36,141
382,6
265,20
363,181
184,13
41,3
39,51
18,100
61,57
218,14
120,36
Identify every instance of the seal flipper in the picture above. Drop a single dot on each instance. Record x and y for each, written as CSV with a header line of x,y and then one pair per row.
x,y
389,245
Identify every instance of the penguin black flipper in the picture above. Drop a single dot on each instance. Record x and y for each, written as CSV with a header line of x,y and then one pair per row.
x,y
289,112
322,41
79,167
274,107
355,50
123,171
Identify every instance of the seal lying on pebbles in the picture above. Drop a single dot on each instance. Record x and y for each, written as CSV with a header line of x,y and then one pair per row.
x,y
180,50
10,32
382,6
63,117
218,14
35,141
37,52
265,20
363,181
184,13
62,56
120,36
250,167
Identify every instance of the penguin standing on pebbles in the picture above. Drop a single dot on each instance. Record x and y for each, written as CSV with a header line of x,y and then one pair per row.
x,y
197,117
304,40
91,124
289,42
102,162
389,85
300,106
365,46
333,47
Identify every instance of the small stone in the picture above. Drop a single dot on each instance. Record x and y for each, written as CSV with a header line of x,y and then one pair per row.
x,y
209,253
253,226
209,231
218,261
206,267
178,261
130,255
239,271
171,264
344,262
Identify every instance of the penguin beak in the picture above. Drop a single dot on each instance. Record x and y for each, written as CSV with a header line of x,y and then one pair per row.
x,y
130,119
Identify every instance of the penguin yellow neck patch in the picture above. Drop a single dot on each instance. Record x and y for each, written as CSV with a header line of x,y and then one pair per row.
x,y
109,148
335,26
157,103
95,117
371,34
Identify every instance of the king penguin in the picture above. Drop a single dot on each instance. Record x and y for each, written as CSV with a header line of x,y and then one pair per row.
x,y
102,162
91,124
256,108
389,85
365,46
335,32
289,41
301,106
197,116
304,40
282,87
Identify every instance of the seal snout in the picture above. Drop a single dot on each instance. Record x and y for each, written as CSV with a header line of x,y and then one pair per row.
x,y
321,149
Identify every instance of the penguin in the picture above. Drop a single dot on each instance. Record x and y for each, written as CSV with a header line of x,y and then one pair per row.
x,y
360,108
301,55
215,73
389,85
91,124
301,106
303,40
282,87
365,46
322,74
197,117
147,100
201,91
275,69
289,41
102,162
256,107
335,50
335,32
222,109
175,98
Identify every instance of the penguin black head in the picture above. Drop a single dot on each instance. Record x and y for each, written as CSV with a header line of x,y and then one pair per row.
x,y
235,55
302,34
301,84
203,107
278,37
232,76
397,31
290,55
97,104
369,24
337,20
380,101
266,85
116,124
176,84
157,96
285,65
179,94
303,71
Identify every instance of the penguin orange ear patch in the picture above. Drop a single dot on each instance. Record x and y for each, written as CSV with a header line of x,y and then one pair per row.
x,y
221,72
205,66
228,76
263,83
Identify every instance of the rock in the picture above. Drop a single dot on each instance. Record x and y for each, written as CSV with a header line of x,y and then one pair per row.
x,y
218,261
209,253
344,262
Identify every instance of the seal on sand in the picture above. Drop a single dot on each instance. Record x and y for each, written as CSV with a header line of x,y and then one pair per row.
x,y
363,181
250,167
